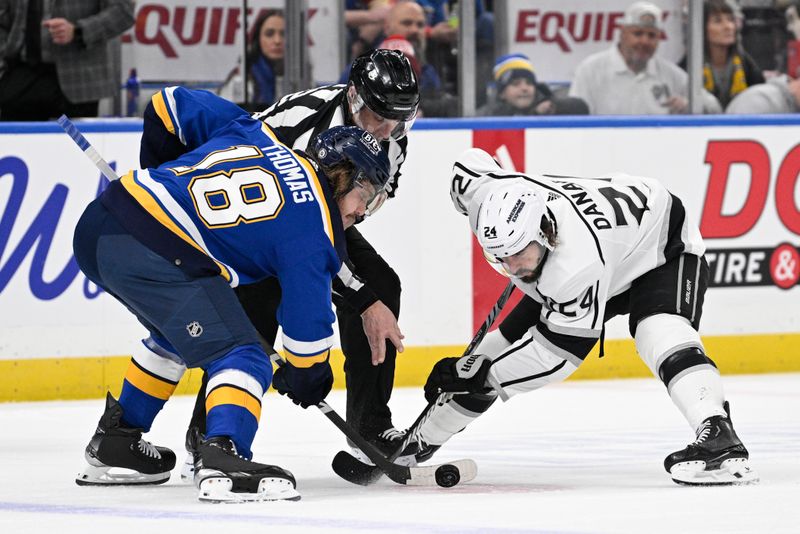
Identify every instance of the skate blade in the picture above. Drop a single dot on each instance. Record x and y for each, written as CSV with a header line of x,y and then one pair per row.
x,y
734,471
117,476
218,490
187,470
407,461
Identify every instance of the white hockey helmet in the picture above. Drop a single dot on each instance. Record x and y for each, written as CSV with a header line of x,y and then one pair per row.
x,y
508,217
469,173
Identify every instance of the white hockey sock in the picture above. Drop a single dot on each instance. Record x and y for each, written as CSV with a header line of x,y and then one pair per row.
x,y
673,351
448,419
698,396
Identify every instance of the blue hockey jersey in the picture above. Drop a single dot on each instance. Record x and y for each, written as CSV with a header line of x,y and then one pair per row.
x,y
248,203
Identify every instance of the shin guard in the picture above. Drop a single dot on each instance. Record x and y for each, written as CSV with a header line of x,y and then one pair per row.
x,y
237,381
151,379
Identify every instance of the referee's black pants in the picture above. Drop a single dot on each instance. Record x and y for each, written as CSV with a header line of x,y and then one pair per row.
x,y
369,387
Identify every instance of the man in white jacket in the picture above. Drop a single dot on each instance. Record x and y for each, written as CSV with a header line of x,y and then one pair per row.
x,y
629,79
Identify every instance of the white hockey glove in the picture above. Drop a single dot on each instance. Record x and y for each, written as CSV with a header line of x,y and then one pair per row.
x,y
466,374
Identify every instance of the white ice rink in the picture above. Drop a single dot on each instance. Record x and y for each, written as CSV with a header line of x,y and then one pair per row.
x,y
579,457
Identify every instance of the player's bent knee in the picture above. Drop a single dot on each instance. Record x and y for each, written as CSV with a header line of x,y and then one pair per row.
x,y
661,335
475,402
159,359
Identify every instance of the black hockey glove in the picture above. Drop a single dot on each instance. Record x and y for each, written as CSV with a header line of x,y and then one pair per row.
x,y
466,374
306,387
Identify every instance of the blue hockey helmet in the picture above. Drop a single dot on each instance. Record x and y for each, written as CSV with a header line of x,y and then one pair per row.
x,y
350,144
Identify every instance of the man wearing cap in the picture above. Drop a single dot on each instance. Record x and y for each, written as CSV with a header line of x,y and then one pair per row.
x,y
518,93
582,251
628,79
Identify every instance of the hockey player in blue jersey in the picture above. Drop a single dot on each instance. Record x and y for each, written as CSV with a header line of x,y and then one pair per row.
x,y
171,242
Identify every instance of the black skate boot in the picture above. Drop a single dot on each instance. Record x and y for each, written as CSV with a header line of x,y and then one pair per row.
x,y
387,442
717,457
118,455
193,438
423,451
222,475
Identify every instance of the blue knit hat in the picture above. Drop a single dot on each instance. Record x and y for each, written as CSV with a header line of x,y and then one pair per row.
x,y
509,67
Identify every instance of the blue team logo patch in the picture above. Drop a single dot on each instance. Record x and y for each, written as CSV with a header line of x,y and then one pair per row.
x,y
194,328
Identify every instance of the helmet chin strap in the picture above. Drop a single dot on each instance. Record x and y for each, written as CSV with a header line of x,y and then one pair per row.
x,y
356,104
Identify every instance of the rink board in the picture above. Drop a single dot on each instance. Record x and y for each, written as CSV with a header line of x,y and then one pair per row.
x,y
737,178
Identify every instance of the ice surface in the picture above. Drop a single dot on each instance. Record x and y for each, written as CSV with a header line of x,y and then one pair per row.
x,y
579,457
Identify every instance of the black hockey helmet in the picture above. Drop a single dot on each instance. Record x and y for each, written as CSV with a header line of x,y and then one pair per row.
x,y
350,144
385,81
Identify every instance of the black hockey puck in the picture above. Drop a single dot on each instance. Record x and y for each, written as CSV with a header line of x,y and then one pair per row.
x,y
447,476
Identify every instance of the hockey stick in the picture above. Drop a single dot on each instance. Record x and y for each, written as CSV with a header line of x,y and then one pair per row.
x,y
446,475
351,469
69,127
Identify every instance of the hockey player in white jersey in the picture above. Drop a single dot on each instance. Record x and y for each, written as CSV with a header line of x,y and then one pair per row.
x,y
583,251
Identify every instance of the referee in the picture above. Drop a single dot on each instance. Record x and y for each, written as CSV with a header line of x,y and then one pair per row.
x,y
381,97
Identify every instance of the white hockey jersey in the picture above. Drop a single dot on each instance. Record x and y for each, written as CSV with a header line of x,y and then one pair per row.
x,y
610,231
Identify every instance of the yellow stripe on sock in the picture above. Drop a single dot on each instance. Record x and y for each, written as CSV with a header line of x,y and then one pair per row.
x,y
228,395
148,383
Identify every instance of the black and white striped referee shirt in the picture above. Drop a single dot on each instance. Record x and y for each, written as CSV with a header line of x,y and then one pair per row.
x,y
299,117
296,119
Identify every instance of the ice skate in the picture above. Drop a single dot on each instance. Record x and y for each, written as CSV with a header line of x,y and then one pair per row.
x,y
222,475
193,437
117,455
423,451
386,442
716,458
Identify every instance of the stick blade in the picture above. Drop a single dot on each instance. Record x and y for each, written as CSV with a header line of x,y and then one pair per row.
x,y
354,471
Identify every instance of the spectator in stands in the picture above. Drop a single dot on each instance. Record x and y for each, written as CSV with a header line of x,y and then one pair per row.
x,y
442,23
779,95
441,33
518,92
56,60
628,79
438,26
400,43
364,20
727,68
406,20
265,57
